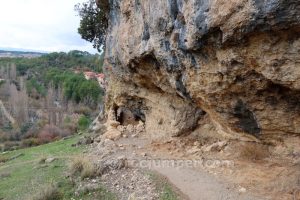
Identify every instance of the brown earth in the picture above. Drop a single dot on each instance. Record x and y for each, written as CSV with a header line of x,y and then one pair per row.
x,y
200,168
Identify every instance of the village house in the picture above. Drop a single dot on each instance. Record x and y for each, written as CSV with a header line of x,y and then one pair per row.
x,y
76,71
99,77
101,80
89,75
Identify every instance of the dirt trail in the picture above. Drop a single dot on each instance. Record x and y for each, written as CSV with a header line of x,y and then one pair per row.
x,y
198,185
194,183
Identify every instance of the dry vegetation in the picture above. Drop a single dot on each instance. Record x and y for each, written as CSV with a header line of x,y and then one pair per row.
x,y
254,152
83,166
3,159
49,192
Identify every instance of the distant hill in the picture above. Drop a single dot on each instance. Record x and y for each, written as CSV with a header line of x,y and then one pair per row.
x,y
19,54
21,49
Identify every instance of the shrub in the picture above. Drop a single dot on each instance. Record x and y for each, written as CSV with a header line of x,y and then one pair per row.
x,y
67,120
83,167
32,132
3,159
77,165
83,110
2,82
3,137
30,142
45,137
49,192
25,128
69,125
10,145
50,133
34,87
83,123
70,128
7,127
88,171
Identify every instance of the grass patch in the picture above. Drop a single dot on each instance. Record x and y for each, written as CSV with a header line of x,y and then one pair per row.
x,y
98,193
28,173
164,188
168,193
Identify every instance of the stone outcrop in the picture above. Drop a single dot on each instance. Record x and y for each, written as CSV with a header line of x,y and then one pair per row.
x,y
171,62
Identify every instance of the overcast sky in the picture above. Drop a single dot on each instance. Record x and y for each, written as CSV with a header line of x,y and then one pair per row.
x,y
45,25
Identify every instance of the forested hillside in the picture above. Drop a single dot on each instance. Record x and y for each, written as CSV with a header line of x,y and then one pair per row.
x,y
46,98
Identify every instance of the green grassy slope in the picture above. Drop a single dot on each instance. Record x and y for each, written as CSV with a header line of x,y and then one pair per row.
x,y
23,177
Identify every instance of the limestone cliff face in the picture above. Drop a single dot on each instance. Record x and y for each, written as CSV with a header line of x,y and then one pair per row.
x,y
238,61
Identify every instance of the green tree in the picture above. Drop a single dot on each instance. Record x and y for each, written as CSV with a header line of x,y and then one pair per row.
x,y
89,92
93,23
84,122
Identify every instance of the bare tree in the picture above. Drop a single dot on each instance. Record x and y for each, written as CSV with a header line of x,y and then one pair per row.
x,y
13,72
6,114
50,98
19,103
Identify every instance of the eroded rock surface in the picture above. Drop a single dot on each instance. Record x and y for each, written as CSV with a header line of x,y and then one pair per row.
x,y
173,61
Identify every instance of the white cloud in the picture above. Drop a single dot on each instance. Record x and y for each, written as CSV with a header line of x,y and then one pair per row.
x,y
47,25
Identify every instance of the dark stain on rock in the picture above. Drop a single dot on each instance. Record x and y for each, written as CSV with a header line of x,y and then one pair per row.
x,y
247,121
173,9
173,64
201,17
150,59
235,63
146,33
162,24
165,45
181,19
192,59
271,100
181,90
239,79
213,37
194,62
137,5
182,38
293,102
276,95
274,14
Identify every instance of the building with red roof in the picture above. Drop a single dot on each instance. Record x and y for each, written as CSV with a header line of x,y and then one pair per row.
x,y
89,75
101,80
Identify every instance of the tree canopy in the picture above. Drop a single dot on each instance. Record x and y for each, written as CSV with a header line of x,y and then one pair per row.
x,y
93,23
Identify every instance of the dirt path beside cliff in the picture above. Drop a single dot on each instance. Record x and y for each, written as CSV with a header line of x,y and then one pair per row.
x,y
198,185
192,182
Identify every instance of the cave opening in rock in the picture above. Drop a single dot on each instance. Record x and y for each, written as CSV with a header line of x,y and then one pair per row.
x,y
127,116
247,121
